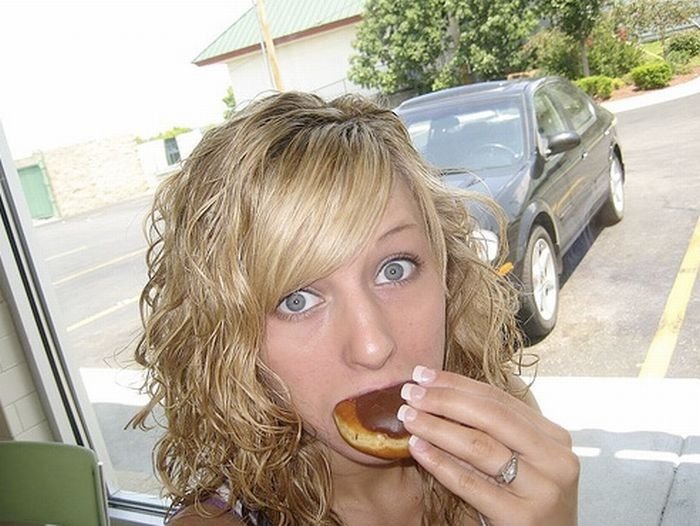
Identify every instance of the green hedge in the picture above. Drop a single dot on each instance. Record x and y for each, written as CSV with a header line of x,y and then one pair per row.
x,y
687,43
652,75
597,86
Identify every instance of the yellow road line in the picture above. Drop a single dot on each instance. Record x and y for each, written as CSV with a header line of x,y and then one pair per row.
x,y
119,305
66,253
100,266
662,346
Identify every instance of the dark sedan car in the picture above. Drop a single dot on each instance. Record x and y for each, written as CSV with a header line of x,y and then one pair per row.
x,y
545,152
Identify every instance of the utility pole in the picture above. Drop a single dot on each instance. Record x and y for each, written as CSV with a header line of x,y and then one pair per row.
x,y
269,45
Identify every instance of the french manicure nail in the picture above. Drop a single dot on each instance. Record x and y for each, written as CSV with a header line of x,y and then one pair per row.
x,y
412,392
417,444
423,375
406,414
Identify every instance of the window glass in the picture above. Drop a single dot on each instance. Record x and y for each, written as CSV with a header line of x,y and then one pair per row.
x,y
89,153
172,152
575,104
549,122
481,135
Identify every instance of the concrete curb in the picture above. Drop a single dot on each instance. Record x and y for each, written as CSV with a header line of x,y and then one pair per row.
x,y
654,97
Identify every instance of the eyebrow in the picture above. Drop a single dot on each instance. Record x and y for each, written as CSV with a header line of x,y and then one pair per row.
x,y
395,230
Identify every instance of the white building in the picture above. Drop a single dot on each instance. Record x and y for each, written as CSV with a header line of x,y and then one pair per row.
x,y
313,44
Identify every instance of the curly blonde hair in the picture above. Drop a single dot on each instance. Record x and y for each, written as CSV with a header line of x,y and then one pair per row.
x,y
277,197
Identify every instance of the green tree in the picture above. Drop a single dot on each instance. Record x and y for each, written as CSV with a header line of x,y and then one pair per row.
x,y
431,44
399,44
552,53
490,36
659,16
611,53
230,101
575,18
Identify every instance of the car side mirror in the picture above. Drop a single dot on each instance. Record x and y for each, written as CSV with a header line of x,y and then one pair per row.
x,y
562,142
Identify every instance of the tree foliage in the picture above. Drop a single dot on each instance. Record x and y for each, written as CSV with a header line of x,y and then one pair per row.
x,y
399,44
575,18
490,36
230,101
610,52
659,16
431,44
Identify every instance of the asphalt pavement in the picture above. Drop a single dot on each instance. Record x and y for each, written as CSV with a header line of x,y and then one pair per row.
x,y
638,438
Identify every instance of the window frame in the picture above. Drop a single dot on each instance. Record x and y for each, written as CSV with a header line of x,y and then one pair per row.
x,y
42,333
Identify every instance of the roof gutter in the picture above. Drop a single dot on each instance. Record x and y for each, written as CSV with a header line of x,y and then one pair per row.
x,y
279,40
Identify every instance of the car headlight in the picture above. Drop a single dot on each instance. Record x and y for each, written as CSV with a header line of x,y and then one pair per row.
x,y
486,244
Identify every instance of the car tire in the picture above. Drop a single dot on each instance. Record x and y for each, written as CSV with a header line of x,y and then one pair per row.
x,y
540,286
613,209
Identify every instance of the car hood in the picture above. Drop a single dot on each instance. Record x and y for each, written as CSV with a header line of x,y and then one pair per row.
x,y
496,183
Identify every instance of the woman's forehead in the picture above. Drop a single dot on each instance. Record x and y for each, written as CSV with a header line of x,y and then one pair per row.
x,y
401,210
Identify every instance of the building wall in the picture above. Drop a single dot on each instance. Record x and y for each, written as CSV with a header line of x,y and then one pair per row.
x,y
154,160
316,63
90,175
22,416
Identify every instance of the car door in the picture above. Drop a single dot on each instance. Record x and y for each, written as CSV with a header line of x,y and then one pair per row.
x,y
592,153
558,184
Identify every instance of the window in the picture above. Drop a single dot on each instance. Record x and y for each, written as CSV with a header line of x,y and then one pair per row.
x,y
549,122
172,152
78,276
575,105
78,309
481,135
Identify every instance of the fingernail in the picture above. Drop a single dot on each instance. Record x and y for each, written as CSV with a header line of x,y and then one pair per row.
x,y
423,375
406,414
412,392
417,444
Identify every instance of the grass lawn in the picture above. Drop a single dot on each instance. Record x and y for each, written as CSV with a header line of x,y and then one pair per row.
x,y
654,51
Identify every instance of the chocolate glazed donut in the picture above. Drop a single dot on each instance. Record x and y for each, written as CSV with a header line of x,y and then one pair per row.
x,y
369,424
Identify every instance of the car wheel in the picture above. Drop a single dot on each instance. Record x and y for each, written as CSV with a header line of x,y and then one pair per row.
x,y
613,209
540,294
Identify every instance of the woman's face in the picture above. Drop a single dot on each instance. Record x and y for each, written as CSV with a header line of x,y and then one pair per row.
x,y
363,327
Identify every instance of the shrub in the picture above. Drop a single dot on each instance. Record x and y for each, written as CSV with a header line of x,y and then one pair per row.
x,y
679,61
553,53
687,43
597,86
618,83
652,75
610,54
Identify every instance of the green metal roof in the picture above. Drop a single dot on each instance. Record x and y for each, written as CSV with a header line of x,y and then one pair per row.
x,y
284,17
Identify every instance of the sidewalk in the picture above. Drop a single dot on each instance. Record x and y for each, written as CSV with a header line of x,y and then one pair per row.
x,y
654,97
639,445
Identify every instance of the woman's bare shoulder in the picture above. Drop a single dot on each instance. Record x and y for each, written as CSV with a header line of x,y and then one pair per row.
x,y
214,517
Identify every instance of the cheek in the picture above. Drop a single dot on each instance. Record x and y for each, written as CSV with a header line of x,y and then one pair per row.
x,y
296,359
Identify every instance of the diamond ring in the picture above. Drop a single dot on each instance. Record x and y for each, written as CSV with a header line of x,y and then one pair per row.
x,y
509,471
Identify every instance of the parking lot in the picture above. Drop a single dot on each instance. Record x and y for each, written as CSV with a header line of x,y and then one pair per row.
x,y
620,278
630,306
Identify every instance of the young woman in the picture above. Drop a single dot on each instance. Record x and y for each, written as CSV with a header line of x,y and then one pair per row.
x,y
305,255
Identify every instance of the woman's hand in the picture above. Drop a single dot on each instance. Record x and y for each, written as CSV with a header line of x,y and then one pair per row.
x,y
465,432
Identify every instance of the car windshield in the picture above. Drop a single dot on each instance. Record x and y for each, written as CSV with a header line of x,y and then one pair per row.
x,y
477,136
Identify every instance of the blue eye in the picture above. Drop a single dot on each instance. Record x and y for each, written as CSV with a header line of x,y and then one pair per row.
x,y
396,270
298,302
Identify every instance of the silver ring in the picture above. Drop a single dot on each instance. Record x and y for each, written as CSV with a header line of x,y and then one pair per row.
x,y
509,471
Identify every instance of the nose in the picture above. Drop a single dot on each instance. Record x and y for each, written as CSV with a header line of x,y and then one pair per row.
x,y
369,341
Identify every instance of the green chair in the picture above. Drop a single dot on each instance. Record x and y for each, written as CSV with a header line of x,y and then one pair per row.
x,y
51,483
